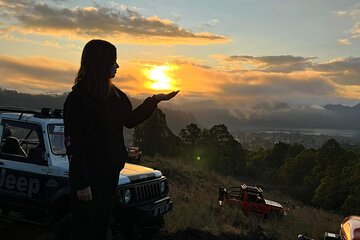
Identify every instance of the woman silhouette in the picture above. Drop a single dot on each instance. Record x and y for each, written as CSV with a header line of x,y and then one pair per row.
x,y
95,112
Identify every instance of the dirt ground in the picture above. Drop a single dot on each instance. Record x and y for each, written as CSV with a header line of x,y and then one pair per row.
x,y
14,230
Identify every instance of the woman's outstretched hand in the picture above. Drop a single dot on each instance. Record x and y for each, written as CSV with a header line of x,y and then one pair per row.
x,y
164,97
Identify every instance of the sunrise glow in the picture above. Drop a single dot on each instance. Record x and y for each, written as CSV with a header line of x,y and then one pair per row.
x,y
160,77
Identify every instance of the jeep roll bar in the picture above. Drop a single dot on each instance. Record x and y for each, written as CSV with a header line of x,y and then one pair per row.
x,y
43,113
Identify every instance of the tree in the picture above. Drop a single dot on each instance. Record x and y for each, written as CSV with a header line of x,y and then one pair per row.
x,y
278,154
154,137
331,193
256,162
330,154
224,153
351,205
191,134
294,170
222,136
337,173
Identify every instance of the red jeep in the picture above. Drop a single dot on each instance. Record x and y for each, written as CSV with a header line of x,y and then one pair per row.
x,y
251,200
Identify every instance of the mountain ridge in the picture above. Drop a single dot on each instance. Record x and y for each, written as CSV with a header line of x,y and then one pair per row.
x,y
263,115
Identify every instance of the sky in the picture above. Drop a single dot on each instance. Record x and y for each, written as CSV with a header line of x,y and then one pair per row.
x,y
227,53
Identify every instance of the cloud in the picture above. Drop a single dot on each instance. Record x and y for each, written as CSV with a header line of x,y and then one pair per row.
x,y
341,13
45,75
299,79
285,63
118,24
231,88
181,60
271,106
354,13
355,31
209,24
342,71
282,85
343,41
36,74
350,91
198,81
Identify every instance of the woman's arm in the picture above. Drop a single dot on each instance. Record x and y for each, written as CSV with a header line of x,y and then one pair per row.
x,y
131,118
141,113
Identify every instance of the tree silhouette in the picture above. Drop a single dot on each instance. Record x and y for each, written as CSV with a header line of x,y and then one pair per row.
x,y
154,137
191,134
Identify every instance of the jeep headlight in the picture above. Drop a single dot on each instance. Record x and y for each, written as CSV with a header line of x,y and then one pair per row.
x,y
127,196
162,187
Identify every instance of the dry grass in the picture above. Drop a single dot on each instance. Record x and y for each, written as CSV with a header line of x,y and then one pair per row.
x,y
196,214
194,192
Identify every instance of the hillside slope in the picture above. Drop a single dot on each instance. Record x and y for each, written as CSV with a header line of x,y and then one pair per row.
x,y
196,211
196,214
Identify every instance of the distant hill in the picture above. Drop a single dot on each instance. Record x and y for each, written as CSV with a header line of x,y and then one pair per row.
x,y
356,107
293,116
275,115
37,101
176,119
265,115
339,107
208,117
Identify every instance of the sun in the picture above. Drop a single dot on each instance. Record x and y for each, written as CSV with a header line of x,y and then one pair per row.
x,y
160,77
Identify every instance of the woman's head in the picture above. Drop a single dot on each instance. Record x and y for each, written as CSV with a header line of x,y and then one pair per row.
x,y
98,66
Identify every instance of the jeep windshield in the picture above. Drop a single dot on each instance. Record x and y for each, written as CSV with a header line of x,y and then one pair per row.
x,y
56,139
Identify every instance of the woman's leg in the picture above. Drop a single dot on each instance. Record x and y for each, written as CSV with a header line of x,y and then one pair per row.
x,y
105,202
83,218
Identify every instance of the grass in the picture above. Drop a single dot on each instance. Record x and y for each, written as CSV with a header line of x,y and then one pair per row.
x,y
197,215
194,192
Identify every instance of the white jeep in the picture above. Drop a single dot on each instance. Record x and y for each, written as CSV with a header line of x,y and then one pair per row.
x,y
34,175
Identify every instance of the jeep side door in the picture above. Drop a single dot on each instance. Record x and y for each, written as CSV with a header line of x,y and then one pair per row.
x,y
253,204
23,167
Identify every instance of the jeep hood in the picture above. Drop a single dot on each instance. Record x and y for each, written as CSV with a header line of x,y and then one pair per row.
x,y
272,203
133,172
130,172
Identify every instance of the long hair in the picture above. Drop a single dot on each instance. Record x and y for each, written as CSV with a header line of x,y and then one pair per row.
x,y
94,74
